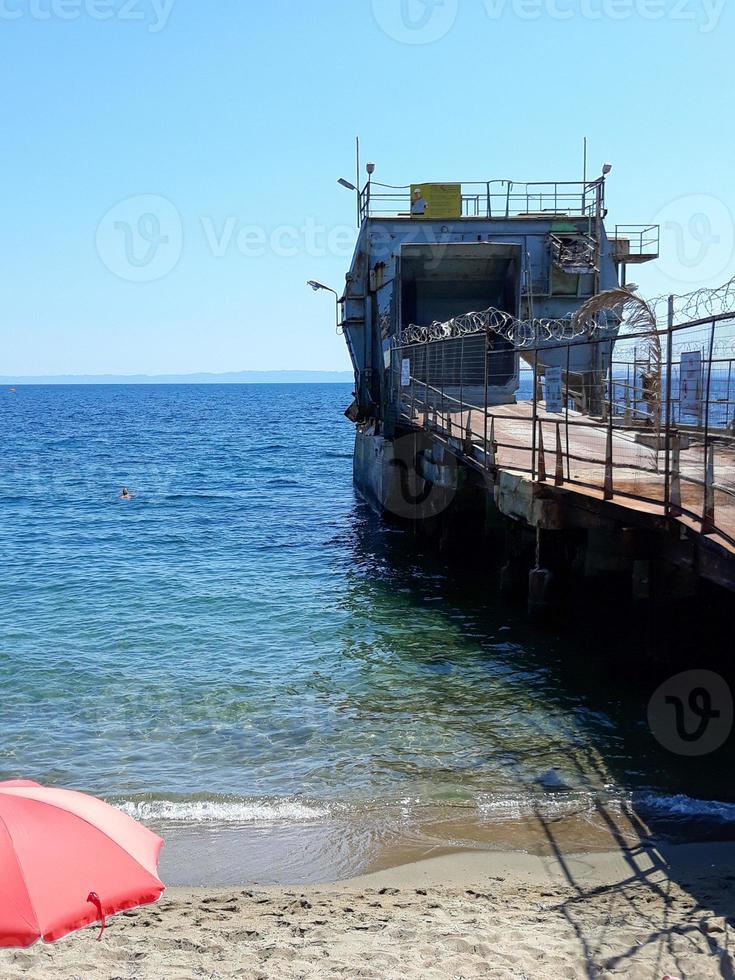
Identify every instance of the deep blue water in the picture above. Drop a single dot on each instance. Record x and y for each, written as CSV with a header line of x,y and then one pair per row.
x,y
245,633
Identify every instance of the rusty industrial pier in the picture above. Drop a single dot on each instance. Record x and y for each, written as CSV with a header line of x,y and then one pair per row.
x,y
637,472
594,429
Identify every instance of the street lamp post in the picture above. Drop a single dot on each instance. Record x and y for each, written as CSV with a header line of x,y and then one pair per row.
x,y
317,287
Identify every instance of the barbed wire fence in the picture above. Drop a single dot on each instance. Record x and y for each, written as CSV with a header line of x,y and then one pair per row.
x,y
617,310
654,419
697,305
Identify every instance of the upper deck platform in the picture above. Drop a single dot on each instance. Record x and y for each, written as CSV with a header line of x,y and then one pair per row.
x,y
502,200
486,199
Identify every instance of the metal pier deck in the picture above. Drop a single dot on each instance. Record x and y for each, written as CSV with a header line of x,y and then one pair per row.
x,y
574,455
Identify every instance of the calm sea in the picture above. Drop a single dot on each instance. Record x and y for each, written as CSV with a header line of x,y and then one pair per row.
x,y
244,646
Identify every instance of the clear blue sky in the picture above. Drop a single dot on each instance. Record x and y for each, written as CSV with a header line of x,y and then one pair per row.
x,y
243,114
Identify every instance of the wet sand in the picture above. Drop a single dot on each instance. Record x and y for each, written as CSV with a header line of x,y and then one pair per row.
x,y
341,845
641,914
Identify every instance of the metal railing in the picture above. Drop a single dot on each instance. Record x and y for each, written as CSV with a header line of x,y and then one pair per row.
x,y
637,241
657,429
495,199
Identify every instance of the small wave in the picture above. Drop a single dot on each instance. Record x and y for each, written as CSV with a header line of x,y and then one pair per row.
x,y
686,808
658,808
550,805
222,811
655,806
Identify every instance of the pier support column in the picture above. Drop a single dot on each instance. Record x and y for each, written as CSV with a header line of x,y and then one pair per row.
x,y
551,559
540,589
540,581
518,559
667,603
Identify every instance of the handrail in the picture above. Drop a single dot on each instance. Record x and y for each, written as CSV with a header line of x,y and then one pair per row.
x,y
607,436
642,239
494,198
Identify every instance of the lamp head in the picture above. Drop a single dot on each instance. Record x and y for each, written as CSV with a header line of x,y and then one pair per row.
x,y
607,169
347,184
370,169
316,286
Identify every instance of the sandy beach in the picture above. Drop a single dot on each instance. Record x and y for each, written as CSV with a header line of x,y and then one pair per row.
x,y
639,914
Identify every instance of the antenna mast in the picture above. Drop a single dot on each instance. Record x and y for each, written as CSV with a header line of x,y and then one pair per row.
x,y
357,180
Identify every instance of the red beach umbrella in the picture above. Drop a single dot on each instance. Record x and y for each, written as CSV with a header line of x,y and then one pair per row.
x,y
68,860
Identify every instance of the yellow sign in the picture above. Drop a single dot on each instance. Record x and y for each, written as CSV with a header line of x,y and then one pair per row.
x,y
436,200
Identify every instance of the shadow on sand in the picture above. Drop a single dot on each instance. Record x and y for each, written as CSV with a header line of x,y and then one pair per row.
x,y
676,888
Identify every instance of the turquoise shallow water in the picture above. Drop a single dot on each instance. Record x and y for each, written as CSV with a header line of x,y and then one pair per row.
x,y
244,641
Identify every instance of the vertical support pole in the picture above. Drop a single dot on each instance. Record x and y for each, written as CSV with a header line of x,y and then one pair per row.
x,y
426,383
569,462
609,489
668,488
708,519
493,444
534,414
609,462
674,474
559,476
627,416
541,453
461,383
599,199
358,177
447,428
635,382
708,511
484,397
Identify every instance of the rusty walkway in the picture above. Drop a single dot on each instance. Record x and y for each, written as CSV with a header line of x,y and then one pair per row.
x,y
582,455
650,439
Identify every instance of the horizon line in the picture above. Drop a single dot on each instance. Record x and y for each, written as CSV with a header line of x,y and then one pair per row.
x,y
193,377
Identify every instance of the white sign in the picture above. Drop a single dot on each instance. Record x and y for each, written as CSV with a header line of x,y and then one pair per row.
x,y
405,372
553,389
691,383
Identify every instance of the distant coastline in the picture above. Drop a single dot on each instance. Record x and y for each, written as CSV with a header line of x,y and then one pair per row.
x,y
234,377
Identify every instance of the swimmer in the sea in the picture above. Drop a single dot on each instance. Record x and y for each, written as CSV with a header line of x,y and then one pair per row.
x,y
126,494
